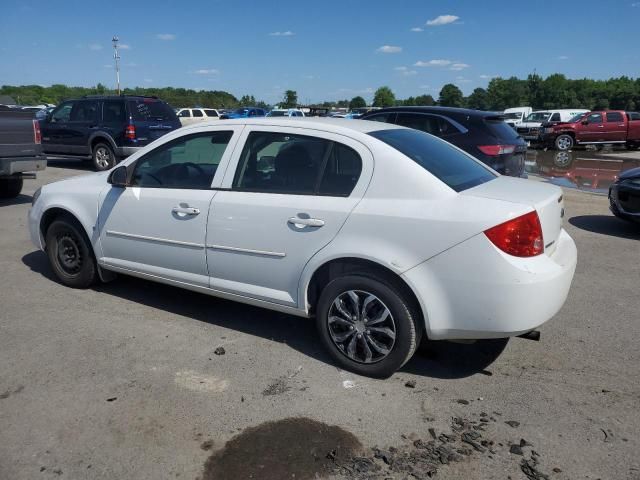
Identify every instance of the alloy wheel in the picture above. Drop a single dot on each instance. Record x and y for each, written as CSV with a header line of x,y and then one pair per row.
x,y
103,157
361,326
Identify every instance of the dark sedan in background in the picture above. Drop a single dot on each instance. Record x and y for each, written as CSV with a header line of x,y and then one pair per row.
x,y
624,195
484,135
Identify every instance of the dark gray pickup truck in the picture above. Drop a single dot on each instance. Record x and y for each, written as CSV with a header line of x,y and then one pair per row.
x,y
20,150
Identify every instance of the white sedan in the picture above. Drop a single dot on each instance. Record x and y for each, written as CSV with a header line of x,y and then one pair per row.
x,y
381,233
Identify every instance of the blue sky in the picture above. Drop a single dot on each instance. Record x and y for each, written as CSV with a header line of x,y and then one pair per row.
x,y
325,49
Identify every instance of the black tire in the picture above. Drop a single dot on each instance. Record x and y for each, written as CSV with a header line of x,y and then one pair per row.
x,y
633,145
403,316
564,142
10,187
70,253
103,157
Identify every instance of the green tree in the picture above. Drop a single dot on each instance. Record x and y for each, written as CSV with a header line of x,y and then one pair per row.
x,y
290,99
248,101
451,96
478,100
384,97
357,102
425,100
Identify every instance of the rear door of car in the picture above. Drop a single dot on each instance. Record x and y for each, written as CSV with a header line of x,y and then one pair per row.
x,y
615,126
286,194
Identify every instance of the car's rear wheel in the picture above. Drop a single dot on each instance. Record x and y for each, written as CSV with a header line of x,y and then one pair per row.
x,y
564,142
70,253
103,157
367,325
10,187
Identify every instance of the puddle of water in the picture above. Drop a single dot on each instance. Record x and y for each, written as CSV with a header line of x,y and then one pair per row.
x,y
587,170
298,448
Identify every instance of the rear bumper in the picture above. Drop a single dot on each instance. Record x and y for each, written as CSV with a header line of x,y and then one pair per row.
x,y
17,165
475,291
126,151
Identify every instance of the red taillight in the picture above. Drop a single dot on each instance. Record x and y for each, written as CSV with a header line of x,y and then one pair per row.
x,y
37,134
130,132
495,150
520,237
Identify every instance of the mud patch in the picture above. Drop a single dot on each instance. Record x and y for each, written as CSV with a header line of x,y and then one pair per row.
x,y
198,382
8,393
298,448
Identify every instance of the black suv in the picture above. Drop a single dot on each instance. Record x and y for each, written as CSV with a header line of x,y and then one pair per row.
x,y
484,135
106,128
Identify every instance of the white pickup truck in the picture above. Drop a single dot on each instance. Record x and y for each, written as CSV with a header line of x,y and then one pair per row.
x,y
530,128
189,116
515,116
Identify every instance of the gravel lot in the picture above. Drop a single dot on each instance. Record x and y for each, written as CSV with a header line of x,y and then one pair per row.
x,y
127,381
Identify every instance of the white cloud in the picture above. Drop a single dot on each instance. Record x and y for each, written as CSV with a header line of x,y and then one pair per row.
x,y
456,67
563,57
462,79
389,49
405,71
95,46
165,36
417,29
442,20
288,33
207,71
425,87
433,63
124,46
308,77
635,4
487,77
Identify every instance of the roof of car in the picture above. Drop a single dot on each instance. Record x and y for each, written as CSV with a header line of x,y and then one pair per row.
x,y
435,109
321,123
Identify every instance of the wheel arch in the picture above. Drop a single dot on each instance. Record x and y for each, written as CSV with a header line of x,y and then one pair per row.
x,y
102,137
340,266
55,212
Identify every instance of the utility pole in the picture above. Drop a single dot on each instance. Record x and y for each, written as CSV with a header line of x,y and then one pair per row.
x,y
116,57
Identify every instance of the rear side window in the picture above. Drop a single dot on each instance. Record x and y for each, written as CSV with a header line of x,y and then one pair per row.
x,y
633,115
185,114
614,117
197,113
150,110
381,117
433,124
555,117
113,111
501,130
211,113
296,164
441,159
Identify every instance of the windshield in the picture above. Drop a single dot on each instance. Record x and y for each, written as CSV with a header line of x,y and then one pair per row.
x,y
450,165
576,118
513,116
538,117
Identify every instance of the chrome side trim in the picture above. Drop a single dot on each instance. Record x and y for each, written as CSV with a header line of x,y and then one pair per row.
x,y
247,250
154,239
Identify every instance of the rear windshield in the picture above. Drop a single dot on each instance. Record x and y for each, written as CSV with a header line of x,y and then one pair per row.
x,y
453,167
501,130
148,109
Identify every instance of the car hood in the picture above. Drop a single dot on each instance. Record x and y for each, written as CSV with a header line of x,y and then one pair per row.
x,y
530,124
631,173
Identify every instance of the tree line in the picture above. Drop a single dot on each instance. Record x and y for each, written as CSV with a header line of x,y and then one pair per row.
x,y
554,91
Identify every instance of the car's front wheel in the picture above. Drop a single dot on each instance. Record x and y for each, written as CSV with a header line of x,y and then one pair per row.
x,y
564,142
70,253
103,157
10,187
368,326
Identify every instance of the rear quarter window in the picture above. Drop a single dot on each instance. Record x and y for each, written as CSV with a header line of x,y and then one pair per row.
x,y
451,166
500,129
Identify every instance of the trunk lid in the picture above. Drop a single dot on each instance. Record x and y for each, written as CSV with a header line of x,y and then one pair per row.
x,y
546,199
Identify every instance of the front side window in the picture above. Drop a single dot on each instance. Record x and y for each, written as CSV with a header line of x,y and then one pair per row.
x,y
197,113
84,111
555,117
445,162
62,113
594,118
185,114
614,117
296,164
211,113
186,162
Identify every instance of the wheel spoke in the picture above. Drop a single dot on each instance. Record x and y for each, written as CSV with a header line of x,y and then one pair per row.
x,y
378,347
379,319
365,305
340,321
351,348
355,302
384,331
340,308
368,354
342,336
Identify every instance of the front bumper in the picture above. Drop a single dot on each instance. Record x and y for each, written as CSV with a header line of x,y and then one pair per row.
x,y
475,291
624,200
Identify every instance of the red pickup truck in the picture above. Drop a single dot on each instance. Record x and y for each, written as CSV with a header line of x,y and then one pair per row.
x,y
593,128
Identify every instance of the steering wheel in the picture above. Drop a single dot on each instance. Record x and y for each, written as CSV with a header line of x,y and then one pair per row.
x,y
195,166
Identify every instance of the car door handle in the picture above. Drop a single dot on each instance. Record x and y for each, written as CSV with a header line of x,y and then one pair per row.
x,y
307,222
186,210
600,126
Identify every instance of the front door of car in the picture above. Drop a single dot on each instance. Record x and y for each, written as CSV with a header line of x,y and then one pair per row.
x,y
55,129
83,121
157,224
286,195
592,129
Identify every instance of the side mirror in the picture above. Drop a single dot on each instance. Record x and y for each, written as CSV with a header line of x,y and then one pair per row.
x,y
118,177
